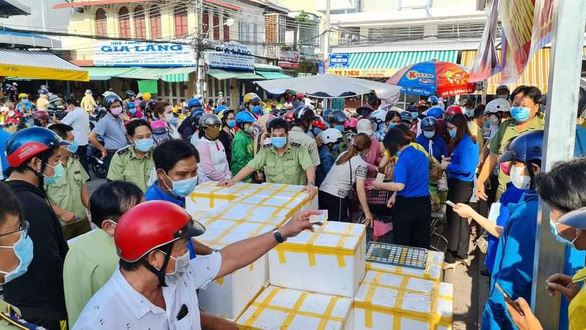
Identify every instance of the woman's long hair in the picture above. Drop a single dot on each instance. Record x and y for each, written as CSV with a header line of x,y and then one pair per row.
x,y
461,122
396,139
361,142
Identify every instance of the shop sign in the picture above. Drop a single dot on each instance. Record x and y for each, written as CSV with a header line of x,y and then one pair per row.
x,y
143,54
362,73
289,59
339,60
230,56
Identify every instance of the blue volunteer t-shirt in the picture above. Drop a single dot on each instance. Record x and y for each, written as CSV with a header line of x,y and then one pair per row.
x,y
412,170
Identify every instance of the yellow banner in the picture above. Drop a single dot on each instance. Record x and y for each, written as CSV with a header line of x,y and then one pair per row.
x,y
33,72
363,73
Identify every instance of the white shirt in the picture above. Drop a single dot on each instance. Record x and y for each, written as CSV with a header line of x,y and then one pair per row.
x,y
118,306
80,121
337,181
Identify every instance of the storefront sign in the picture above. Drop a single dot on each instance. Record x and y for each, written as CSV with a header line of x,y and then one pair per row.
x,y
339,60
143,54
362,73
289,59
230,56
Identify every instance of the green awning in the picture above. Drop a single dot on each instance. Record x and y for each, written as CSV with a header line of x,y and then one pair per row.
x,y
397,60
267,67
105,73
229,74
273,75
165,74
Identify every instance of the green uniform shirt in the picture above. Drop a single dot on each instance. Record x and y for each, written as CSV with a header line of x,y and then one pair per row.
x,y
298,135
66,192
506,132
4,323
289,168
242,153
126,166
89,264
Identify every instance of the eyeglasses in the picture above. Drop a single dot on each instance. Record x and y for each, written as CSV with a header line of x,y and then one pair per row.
x,y
23,228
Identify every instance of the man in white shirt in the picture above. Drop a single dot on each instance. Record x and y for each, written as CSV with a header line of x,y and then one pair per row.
x,y
80,121
155,285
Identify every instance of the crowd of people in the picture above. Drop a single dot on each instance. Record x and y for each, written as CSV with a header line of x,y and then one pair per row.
x,y
388,168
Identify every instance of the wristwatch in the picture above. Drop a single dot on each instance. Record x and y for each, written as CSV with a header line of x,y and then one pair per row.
x,y
278,236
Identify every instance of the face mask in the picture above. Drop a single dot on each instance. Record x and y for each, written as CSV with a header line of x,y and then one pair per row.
x,y
558,237
24,100
519,180
231,123
132,110
520,114
428,134
23,249
414,114
469,112
116,111
51,180
249,129
212,133
453,133
278,142
502,96
257,109
73,147
494,121
392,125
168,117
340,128
181,263
182,188
144,145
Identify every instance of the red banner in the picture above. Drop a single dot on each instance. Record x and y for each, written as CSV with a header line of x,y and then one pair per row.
x,y
517,20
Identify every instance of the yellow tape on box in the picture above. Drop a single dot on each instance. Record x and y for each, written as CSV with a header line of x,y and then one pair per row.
x,y
433,270
228,296
208,196
303,262
278,308
390,301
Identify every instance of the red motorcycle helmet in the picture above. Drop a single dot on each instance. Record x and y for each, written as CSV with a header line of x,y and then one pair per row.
x,y
289,116
151,225
453,110
319,123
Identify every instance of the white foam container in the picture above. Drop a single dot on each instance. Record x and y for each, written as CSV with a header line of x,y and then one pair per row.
x,y
402,302
208,196
329,261
279,308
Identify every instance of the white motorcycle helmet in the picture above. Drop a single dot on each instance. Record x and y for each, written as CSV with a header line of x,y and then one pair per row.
x,y
330,135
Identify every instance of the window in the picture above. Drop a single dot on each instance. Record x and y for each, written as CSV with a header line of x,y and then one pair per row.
x,y
205,23
216,27
155,20
139,23
226,29
180,21
101,24
124,22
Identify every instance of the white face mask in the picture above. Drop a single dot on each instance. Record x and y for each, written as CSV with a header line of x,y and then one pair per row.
x,y
181,264
518,179
168,117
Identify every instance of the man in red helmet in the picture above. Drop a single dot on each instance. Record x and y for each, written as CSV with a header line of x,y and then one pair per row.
x,y
155,285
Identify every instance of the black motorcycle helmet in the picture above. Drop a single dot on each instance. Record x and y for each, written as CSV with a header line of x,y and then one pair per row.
x,y
129,94
110,99
303,114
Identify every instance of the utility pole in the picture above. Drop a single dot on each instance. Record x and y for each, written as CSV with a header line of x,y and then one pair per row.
x,y
327,32
198,45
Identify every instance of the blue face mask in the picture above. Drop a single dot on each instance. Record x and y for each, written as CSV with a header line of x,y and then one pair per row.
x,y
144,145
340,128
520,114
73,147
392,125
51,180
414,114
183,188
231,123
132,110
279,141
23,249
257,110
558,237
453,133
428,134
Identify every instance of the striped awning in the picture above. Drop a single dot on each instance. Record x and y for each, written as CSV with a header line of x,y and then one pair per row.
x,y
39,65
535,74
221,74
165,74
385,64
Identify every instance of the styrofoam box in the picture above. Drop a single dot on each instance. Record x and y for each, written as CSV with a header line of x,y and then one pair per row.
x,y
433,270
228,296
279,308
390,301
290,190
331,260
254,213
208,196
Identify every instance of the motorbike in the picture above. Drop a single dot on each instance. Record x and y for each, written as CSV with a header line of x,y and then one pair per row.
x,y
95,162
99,112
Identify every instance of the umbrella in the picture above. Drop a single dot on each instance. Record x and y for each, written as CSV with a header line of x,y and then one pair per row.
x,y
426,78
330,86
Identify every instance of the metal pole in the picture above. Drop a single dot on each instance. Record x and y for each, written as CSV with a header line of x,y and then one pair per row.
x,y
560,130
327,31
198,47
